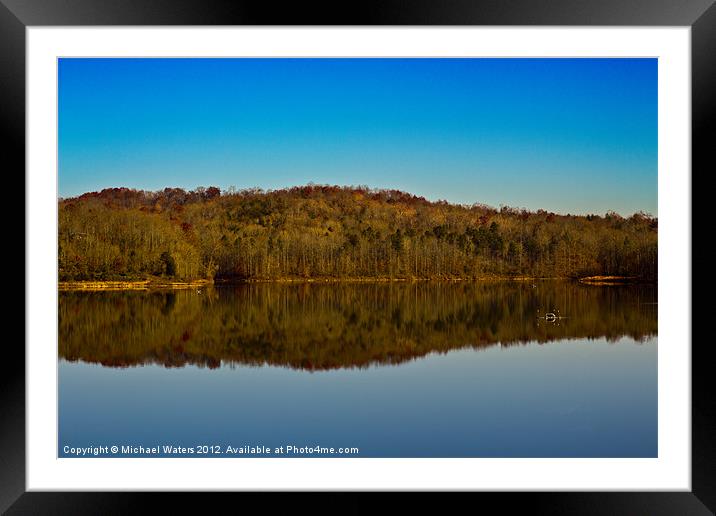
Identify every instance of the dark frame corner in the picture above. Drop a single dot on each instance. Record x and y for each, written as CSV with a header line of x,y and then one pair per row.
x,y
700,15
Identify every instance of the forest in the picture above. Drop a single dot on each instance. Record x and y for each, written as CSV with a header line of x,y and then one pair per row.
x,y
335,232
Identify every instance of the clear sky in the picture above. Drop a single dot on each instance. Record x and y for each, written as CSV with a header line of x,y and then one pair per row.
x,y
565,135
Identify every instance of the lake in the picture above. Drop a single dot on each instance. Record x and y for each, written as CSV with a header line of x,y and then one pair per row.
x,y
421,369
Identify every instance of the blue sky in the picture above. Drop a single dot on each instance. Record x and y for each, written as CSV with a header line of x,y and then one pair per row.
x,y
565,135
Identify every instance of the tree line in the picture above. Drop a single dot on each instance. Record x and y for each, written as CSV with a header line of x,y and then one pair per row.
x,y
318,231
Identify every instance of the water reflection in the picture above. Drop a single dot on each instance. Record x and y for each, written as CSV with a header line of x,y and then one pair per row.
x,y
331,326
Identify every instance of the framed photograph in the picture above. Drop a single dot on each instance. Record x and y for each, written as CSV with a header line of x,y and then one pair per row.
x,y
420,249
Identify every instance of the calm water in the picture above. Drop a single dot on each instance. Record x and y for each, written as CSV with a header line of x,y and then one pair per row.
x,y
395,370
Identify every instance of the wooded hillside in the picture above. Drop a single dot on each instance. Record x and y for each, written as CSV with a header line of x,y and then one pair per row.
x,y
337,232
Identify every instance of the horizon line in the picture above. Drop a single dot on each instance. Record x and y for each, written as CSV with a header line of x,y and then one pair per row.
x,y
233,190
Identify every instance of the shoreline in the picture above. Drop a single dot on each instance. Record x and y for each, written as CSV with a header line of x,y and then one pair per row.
x,y
145,285
130,285
610,280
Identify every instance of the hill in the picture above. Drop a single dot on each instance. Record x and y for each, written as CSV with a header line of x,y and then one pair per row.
x,y
332,232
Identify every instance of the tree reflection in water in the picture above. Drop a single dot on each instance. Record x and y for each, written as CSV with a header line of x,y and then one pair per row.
x,y
340,325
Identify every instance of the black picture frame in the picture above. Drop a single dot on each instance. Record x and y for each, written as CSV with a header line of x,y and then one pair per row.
x,y
700,15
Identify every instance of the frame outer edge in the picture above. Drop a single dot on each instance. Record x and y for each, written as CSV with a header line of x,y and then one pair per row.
x,y
703,121
12,115
12,378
